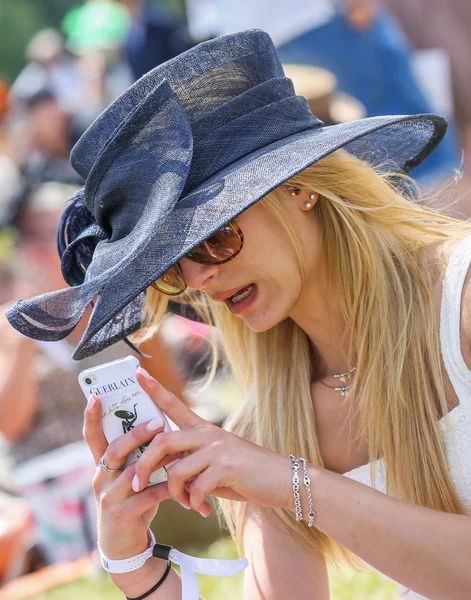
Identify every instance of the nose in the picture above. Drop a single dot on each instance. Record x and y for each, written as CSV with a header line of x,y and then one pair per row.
x,y
196,275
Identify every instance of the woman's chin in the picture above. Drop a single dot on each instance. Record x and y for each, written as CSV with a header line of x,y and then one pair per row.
x,y
261,320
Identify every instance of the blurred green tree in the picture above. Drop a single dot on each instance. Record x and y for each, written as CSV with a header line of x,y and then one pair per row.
x,y
21,19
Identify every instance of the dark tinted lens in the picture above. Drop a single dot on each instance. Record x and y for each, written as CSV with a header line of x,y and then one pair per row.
x,y
220,247
171,282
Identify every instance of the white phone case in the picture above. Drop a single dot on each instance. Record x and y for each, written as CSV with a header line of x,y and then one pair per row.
x,y
124,403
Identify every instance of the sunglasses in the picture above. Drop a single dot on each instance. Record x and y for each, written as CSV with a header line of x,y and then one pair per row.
x,y
219,248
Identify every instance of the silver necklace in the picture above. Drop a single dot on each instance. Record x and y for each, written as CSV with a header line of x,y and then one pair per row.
x,y
344,378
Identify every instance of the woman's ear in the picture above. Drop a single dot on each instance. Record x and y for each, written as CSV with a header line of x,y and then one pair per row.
x,y
307,198
310,201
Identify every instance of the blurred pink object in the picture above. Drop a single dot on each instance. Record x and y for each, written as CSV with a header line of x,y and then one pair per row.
x,y
57,486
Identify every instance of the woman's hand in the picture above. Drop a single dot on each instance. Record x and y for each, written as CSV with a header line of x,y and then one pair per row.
x,y
123,516
218,463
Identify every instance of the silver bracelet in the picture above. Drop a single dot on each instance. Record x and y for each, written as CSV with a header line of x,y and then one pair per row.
x,y
307,483
297,497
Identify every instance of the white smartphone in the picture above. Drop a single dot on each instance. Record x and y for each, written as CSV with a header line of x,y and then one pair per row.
x,y
124,404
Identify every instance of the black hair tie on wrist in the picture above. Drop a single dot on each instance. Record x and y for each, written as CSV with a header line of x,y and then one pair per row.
x,y
158,584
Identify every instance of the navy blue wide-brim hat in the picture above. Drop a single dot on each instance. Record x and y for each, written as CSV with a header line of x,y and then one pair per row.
x,y
183,151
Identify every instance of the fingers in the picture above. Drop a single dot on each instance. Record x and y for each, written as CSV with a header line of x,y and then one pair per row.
x,y
118,496
186,468
119,489
204,485
93,430
147,499
176,410
119,449
169,442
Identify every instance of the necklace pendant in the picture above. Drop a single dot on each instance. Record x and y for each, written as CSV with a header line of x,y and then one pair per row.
x,y
344,378
342,390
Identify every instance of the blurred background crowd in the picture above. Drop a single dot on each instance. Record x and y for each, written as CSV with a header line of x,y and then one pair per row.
x,y
61,63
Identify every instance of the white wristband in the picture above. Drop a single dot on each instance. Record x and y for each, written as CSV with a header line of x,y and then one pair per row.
x,y
189,565
126,565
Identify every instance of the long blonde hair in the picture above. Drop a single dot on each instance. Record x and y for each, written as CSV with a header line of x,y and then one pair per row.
x,y
375,241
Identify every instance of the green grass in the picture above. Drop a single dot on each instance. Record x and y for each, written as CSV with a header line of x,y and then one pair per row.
x,y
367,585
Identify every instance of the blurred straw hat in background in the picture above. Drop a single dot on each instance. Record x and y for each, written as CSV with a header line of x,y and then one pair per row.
x,y
319,87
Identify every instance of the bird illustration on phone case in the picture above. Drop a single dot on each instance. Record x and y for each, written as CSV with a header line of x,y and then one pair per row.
x,y
128,419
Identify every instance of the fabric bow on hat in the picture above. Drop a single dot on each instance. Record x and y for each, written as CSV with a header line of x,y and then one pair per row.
x,y
185,150
116,215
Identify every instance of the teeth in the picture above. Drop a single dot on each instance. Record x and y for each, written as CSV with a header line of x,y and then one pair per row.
x,y
240,297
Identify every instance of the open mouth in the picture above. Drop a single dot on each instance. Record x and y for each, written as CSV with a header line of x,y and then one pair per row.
x,y
241,294
241,299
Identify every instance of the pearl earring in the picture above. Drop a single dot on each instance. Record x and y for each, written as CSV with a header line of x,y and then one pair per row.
x,y
309,204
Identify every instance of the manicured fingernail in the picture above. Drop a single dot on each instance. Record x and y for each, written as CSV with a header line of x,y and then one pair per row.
x,y
155,424
203,515
185,506
135,483
144,373
91,401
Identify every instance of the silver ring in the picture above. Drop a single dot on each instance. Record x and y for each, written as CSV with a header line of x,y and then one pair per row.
x,y
106,468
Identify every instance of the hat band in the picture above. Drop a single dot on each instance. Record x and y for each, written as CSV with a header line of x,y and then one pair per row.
x,y
258,96
246,134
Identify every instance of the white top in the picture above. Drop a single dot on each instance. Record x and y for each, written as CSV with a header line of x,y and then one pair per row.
x,y
459,456
283,20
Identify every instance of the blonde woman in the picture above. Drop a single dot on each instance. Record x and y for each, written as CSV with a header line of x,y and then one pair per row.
x,y
342,303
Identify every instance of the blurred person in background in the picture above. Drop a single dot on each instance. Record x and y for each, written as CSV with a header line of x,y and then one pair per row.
x,y
447,26
95,33
6,265
10,178
357,40
49,130
11,187
36,424
16,531
84,72
49,66
155,36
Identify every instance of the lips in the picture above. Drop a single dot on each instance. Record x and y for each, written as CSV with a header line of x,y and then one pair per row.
x,y
226,295
243,293
244,301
